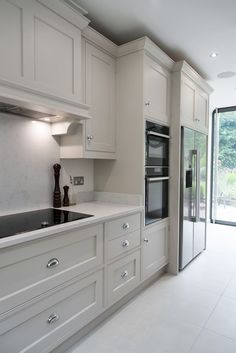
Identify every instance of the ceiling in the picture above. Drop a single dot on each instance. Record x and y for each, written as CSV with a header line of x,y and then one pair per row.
x,y
184,29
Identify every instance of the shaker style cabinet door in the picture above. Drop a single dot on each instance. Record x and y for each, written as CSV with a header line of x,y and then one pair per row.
x,y
187,102
12,37
154,249
201,110
57,54
100,95
39,49
194,106
156,91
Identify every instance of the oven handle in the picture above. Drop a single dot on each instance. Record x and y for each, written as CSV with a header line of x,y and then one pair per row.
x,y
157,178
152,133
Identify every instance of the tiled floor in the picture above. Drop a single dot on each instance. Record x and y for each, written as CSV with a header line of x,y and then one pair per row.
x,y
192,313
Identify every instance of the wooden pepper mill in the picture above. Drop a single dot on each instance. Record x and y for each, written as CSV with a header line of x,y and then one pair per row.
x,y
57,192
66,201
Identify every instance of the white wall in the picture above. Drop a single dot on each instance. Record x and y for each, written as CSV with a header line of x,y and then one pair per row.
x,y
27,154
78,167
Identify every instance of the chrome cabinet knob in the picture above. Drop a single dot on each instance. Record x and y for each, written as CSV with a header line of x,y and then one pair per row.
x,y
124,274
125,244
90,138
147,103
146,240
53,263
53,318
125,226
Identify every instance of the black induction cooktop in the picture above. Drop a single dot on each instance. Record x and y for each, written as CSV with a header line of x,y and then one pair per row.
x,y
28,221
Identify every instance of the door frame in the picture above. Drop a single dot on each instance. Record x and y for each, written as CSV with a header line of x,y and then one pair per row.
x,y
215,111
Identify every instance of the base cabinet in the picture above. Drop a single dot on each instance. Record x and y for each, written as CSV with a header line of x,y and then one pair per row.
x,y
41,327
123,276
154,249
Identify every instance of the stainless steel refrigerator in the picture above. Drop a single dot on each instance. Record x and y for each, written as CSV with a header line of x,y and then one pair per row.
x,y
192,195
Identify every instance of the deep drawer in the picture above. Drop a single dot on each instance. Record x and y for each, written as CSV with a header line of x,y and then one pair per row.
x,y
123,276
33,268
123,244
123,225
40,328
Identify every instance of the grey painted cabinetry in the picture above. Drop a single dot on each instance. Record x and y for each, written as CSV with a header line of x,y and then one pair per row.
x,y
52,287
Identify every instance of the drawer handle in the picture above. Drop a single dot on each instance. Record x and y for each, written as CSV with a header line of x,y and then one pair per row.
x,y
53,318
124,274
125,244
125,226
53,263
146,240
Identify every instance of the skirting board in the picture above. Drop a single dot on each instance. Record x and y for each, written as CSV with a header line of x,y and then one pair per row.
x,y
108,313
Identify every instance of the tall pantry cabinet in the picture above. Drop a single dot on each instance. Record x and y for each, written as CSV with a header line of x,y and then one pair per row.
x,y
190,108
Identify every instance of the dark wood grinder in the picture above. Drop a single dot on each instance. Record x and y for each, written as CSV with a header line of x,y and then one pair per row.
x,y
57,192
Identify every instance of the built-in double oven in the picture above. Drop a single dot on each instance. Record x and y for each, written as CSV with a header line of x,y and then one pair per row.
x,y
156,172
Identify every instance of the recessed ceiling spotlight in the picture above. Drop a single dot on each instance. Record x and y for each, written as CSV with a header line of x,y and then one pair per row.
x,y
226,74
213,55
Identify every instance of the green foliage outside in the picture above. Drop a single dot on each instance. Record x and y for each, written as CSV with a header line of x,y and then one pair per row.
x,y
227,157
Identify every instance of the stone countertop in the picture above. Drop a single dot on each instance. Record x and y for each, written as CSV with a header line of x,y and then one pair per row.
x,y
101,211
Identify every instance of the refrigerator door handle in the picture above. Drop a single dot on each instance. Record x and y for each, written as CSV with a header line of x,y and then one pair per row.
x,y
198,179
194,203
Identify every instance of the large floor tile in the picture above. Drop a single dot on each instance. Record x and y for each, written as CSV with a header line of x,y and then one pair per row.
x,y
230,290
223,319
156,336
210,342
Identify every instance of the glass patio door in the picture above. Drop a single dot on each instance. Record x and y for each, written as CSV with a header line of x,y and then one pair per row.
x,y
223,183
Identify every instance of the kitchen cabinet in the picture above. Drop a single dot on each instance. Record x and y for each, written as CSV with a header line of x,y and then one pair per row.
x,y
95,138
54,286
52,319
190,108
41,50
123,276
100,95
154,248
156,91
194,105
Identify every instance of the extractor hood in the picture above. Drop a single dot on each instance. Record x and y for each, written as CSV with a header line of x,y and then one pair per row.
x,y
33,104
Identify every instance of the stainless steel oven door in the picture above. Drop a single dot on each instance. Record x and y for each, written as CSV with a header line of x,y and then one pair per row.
x,y
156,199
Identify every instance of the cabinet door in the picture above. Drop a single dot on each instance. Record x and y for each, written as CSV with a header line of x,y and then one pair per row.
x,y
201,110
187,102
12,38
154,249
56,54
100,95
156,91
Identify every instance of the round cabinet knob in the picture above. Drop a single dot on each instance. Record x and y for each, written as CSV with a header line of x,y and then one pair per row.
x,y
53,318
147,103
146,240
124,274
125,244
90,138
53,263
125,226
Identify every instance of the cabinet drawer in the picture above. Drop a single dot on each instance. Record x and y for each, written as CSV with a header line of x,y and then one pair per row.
x,y
30,269
123,244
123,225
123,276
41,327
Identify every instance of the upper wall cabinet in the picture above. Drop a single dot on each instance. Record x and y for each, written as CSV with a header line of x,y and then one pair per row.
x,y
156,91
40,49
194,105
100,95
